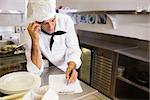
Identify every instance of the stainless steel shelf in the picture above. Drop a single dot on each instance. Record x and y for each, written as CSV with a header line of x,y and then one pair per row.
x,y
113,12
7,61
104,44
130,47
11,12
136,53
133,83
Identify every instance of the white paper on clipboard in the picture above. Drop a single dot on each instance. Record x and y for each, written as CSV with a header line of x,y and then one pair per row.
x,y
59,84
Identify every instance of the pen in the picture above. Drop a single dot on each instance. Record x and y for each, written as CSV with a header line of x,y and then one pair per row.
x,y
71,70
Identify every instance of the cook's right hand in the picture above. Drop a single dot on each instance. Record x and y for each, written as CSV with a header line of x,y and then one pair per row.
x,y
33,30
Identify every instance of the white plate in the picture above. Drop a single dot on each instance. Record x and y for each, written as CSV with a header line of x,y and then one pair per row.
x,y
19,82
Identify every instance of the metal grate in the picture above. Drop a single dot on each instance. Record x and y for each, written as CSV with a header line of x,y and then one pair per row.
x,y
102,74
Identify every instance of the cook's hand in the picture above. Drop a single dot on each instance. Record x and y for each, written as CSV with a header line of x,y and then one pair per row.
x,y
33,30
71,73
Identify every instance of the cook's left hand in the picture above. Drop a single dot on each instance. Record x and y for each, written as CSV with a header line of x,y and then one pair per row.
x,y
71,73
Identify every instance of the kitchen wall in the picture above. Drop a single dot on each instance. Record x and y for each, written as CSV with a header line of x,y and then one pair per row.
x,y
127,25
90,5
12,19
12,12
12,4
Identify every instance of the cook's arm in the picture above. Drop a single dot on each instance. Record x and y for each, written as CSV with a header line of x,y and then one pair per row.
x,y
73,52
31,67
36,54
33,55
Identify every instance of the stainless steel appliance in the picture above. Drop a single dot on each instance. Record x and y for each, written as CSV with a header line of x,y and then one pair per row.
x,y
85,69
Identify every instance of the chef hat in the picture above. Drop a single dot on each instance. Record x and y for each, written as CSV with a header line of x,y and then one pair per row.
x,y
39,10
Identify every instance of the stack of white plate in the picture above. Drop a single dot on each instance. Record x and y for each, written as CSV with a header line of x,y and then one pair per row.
x,y
17,82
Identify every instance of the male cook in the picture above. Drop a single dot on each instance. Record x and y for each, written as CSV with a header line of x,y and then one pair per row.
x,y
53,36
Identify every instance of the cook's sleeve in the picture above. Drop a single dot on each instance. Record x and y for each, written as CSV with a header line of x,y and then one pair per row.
x,y
31,67
73,51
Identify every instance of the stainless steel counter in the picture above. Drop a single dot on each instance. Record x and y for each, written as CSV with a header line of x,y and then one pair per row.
x,y
88,92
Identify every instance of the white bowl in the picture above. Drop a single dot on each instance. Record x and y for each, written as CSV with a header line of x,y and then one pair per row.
x,y
42,93
17,82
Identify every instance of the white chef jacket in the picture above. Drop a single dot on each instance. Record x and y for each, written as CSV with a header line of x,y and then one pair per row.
x,y
64,49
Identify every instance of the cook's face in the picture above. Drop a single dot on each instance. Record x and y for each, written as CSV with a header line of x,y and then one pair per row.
x,y
48,25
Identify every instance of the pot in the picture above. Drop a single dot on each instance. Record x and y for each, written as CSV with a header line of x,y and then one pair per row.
x,y
142,77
